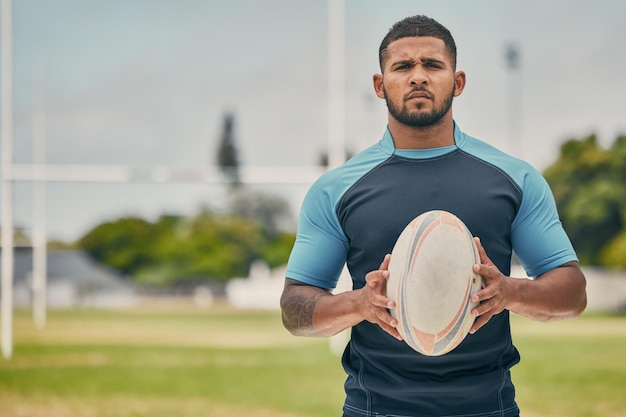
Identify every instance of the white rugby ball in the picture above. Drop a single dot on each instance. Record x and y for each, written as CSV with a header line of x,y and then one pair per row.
x,y
431,280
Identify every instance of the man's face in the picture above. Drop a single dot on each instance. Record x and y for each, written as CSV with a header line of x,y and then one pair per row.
x,y
418,81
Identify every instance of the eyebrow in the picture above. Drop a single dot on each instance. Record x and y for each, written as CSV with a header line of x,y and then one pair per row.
x,y
432,61
402,62
412,61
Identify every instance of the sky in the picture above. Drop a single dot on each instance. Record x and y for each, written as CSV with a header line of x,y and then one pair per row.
x,y
147,82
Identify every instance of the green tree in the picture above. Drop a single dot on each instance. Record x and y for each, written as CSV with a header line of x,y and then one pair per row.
x,y
589,185
177,250
271,213
276,251
613,254
124,244
207,246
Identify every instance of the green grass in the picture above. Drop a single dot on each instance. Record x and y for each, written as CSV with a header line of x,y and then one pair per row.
x,y
172,361
176,360
572,368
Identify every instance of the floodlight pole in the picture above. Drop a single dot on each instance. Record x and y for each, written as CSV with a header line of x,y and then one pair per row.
x,y
6,196
512,56
336,83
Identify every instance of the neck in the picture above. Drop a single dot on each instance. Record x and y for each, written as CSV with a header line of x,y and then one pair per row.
x,y
435,136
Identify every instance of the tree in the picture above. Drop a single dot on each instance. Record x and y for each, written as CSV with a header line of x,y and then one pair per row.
x,y
269,211
589,185
204,247
124,244
276,251
227,155
180,250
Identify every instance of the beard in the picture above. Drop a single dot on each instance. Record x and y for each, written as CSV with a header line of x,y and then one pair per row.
x,y
419,118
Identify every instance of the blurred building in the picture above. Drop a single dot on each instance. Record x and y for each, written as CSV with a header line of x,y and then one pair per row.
x,y
73,279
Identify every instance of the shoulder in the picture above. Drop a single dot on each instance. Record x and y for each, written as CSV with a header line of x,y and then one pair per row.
x,y
320,235
331,186
520,172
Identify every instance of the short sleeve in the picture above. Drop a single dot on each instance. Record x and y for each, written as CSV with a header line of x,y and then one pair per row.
x,y
538,237
320,251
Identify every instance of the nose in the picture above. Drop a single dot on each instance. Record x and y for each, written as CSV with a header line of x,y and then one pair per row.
x,y
418,76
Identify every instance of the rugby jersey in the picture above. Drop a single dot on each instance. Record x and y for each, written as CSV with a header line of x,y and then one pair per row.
x,y
353,215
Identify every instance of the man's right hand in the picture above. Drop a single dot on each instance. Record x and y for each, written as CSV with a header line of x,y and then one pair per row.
x,y
374,303
314,311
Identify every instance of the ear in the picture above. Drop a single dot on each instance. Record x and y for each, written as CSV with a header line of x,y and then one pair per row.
x,y
378,85
459,83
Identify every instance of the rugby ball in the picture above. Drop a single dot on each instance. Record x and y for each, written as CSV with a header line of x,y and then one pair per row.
x,y
431,280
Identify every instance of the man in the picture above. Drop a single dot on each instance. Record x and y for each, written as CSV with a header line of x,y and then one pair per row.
x,y
355,213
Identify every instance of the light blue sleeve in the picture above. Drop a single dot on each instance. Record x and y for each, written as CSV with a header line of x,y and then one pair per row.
x,y
538,237
321,248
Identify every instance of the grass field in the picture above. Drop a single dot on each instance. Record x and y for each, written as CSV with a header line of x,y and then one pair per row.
x,y
178,361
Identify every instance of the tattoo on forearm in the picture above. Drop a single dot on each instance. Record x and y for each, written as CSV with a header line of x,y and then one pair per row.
x,y
298,314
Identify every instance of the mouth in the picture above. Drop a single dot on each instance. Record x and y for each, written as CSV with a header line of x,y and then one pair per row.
x,y
420,94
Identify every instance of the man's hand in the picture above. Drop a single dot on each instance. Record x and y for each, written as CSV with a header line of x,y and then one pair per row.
x,y
373,302
497,291
554,295
313,311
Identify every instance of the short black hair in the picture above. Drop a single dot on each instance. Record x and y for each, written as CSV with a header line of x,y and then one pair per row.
x,y
417,26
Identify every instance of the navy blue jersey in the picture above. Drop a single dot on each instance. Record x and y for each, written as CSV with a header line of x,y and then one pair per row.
x,y
353,215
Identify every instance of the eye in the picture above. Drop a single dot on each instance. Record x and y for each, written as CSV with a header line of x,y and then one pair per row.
x,y
434,65
402,66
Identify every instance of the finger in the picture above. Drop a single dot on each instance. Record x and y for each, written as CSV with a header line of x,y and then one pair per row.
x,y
389,324
483,314
376,285
483,308
482,254
488,272
385,264
393,331
383,302
375,278
482,295
478,323
384,317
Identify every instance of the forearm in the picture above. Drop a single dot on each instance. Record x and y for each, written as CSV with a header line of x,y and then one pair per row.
x,y
555,295
312,311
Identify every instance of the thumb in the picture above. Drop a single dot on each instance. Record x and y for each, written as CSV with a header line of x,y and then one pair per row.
x,y
482,254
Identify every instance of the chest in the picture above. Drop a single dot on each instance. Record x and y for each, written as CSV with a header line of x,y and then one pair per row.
x,y
376,209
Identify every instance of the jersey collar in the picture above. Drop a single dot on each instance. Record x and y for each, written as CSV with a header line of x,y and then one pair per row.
x,y
389,147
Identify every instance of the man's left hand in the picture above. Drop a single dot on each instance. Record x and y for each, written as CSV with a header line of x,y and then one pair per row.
x,y
497,291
